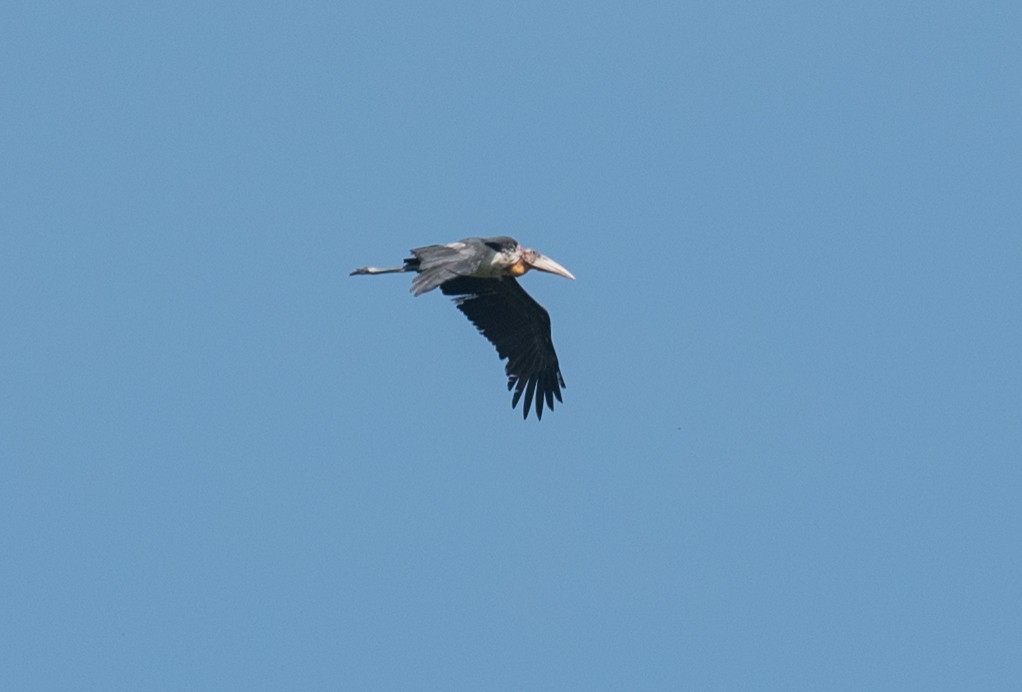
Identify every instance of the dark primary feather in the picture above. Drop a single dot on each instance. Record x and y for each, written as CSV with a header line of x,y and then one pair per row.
x,y
519,328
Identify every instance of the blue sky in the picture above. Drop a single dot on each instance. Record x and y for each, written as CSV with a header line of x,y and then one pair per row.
x,y
788,454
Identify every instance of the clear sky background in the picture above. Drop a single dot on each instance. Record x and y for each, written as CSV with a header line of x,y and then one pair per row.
x,y
789,451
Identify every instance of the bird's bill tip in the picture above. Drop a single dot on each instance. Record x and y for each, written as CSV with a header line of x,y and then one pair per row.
x,y
545,264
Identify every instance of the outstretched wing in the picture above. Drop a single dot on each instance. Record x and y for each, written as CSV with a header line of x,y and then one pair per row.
x,y
519,328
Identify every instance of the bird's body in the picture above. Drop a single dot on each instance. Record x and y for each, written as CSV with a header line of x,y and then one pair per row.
x,y
480,273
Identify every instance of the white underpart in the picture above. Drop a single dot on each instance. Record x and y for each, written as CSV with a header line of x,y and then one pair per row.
x,y
494,263
486,265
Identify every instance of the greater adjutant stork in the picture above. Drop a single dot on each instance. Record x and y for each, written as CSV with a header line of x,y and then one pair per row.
x,y
481,274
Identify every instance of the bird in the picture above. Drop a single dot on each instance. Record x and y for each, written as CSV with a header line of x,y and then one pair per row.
x,y
481,275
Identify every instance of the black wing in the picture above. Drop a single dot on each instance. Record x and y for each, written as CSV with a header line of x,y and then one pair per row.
x,y
520,329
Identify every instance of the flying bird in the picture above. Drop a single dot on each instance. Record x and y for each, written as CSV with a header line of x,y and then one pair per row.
x,y
482,275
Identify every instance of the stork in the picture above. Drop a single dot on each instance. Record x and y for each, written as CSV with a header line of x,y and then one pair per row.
x,y
482,275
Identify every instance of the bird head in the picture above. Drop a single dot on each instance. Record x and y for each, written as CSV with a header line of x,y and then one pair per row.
x,y
531,259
